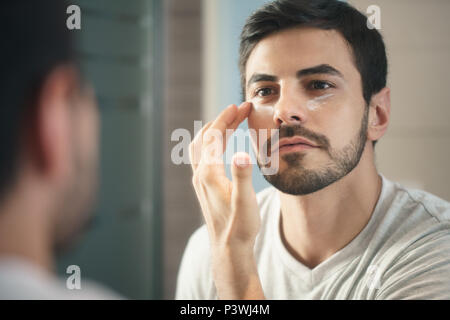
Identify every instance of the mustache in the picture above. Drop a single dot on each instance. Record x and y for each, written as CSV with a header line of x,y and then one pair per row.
x,y
300,131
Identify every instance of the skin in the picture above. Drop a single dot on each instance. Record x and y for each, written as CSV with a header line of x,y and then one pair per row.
x,y
313,226
47,205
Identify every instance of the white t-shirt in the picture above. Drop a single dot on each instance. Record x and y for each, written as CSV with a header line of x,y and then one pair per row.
x,y
402,253
21,280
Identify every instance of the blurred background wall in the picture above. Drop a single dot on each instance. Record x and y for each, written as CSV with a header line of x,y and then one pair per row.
x,y
120,43
183,97
159,65
416,149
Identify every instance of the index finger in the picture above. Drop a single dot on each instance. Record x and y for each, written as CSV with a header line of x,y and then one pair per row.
x,y
229,119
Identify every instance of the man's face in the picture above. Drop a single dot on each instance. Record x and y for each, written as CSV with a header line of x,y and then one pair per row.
x,y
304,82
79,194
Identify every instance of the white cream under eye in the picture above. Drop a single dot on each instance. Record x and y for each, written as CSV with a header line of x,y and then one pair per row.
x,y
316,103
263,109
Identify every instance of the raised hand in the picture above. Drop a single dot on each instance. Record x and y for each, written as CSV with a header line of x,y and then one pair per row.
x,y
229,207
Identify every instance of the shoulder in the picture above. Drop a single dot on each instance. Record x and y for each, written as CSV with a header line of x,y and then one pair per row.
x,y
431,204
200,240
421,271
194,277
22,280
417,240
197,252
408,216
418,216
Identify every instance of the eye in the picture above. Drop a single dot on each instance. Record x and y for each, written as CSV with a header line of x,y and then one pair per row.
x,y
320,85
264,92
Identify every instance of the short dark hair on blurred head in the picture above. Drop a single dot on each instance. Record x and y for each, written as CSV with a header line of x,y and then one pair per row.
x,y
34,40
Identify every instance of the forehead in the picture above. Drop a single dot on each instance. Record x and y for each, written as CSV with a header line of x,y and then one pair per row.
x,y
286,52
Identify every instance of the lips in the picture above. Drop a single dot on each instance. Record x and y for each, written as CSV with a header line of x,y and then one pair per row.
x,y
291,143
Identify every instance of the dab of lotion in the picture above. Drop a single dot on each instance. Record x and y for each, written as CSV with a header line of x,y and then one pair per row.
x,y
264,110
314,104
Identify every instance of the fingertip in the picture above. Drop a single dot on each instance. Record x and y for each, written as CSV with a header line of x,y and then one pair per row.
x,y
245,105
249,107
245,108
229,114
233,107
241,160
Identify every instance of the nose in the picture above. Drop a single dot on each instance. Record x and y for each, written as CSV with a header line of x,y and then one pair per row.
x,y
289,109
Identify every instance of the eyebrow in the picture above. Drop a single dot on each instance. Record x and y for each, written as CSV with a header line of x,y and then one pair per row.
x,y
259,77
320,69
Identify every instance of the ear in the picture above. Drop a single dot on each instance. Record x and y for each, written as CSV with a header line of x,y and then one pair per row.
x,y
50,139
379,114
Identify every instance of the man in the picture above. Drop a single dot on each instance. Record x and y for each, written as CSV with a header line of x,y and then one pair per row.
x,y
331,227
49,141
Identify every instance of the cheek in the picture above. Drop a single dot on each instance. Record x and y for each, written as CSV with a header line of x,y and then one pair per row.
x,y
344,127
261,118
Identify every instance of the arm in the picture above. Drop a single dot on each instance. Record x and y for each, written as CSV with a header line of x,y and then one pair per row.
x,y
235,274
229,207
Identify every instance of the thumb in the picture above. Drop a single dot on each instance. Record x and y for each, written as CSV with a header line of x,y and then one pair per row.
x,y
241,171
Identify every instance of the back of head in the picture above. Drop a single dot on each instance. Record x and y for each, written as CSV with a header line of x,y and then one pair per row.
x,y
35,40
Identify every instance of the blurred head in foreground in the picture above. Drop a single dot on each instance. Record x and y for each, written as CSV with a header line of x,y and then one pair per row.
x,y
48,133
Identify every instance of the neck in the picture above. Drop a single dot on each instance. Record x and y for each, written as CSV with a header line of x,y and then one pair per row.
x,y
316,226
24,232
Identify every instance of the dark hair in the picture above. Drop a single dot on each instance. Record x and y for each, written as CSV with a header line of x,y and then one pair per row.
x,y
367,44
35,39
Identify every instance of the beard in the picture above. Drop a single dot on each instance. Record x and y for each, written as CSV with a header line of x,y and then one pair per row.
x,y
297,180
